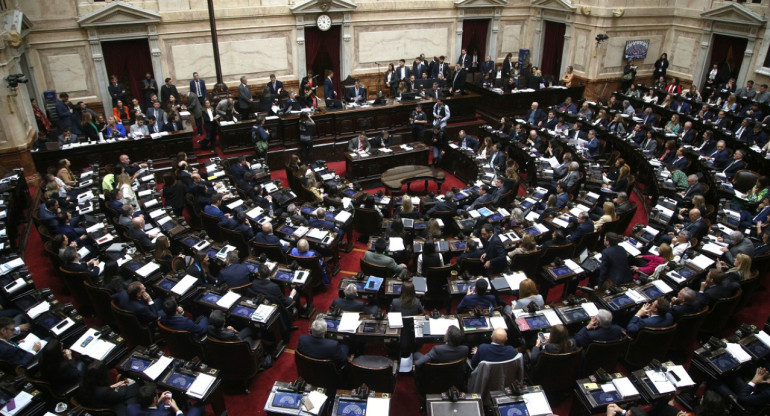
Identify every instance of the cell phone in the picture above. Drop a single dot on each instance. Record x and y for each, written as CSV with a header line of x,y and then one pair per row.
x,y
541,337
87,341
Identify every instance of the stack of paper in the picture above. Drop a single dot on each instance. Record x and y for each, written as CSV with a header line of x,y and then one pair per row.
x,y
28,343
201,385
228,299
147,269
553,318
156,369
263,313
662,286
439,326
395,320
682,379
660,382
184,285
737,352
625,387
636,296
349,322
378,406
396,244
317,400
38,309
590,309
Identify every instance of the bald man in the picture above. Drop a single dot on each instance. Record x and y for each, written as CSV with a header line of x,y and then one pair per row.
x,y
266,236
136,232
495,352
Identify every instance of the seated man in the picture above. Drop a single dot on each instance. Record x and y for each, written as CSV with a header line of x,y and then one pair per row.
x,y
71,263
135,299
584,225
451,350
448,204
753,395
219,331
484,197
357,94
738,245
239,223
136,232
11,352
150,402
684,303
275,295
234,274
495,352
655,315
600,328
320,221
715,287
382,140
316,345
266,236
379,258
213,208
174,319
139,129
349,303
303,250
466,141
126,215
477,296
359,144
472,251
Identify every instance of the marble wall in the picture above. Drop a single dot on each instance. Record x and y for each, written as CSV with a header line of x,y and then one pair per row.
x,y
376,45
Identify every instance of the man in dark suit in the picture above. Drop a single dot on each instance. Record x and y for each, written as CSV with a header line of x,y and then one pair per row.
x,y
451,350
240,223
150,88
575,133
614,264
292,103
693,188
722,121
167,90
562,197
464,60
151,403
435,93
219,330
244,99
266,236
418,68
757,135
174,124
275,295
535,115
688,134
320,221
10,352
585,225
466,141
402,72
71,260
494,257
472,251
478,296
720,156
495,352
135,299
276,87
137,233
484,197
600,328
234,274
684,303
654,315
733,166
752,395
488,67
680,161
349,303
198,86
174,319
715,287
448,204
357,94
317,346
458,81
359,143
497,161
440,69
697,227
381,140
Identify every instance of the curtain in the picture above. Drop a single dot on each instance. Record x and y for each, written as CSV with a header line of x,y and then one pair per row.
x,y
730,50
553,47
475,37
129,60
323,45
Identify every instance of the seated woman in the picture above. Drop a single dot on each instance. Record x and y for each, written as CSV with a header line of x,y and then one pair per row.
x,y
621,183
162,253
295,166
741,269
406,209
429,257
97,391
673,126
561,127
199,268
528,294
609,215
558,342
433,229
485,150
669,153
506,127
601,119
652,261
57,366
407,303
614,172
666,103
650,97
370,203
114,129
617,126
526,246
312,185
550,208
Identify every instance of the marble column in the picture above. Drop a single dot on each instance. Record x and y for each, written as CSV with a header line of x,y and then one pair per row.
x,y
102,79
494,29
346,47
536,53
565,50
458,41
301,68
747,55
701,71
157,63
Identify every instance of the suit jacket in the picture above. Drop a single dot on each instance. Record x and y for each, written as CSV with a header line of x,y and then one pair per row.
x,y
443,206
435,94
650,145
352,94
443,353
693,190
487,67
270,290
745,246
323,349
160,116
717,292
465,61
383,260
535,115
202,95
562,200
181,323
654,321
167,91
232,224
14,355
48,218
418,70
81,268
614,266
493,353
470,142
172,127
581,230
458,81
732,167
234,275
405,77
354,143
570,180
263,238
134,409
274,88
141,237
145,312
696,229
439,68
680,163
677,311
473,300
495,252
244,96
586,336
292,104
688,137
349,305
214,211
379,142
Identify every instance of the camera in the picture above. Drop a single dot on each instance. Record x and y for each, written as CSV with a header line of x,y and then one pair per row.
x,y
601,37
14,80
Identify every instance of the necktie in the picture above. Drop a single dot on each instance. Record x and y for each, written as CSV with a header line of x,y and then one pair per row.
x,y
198,87
739,132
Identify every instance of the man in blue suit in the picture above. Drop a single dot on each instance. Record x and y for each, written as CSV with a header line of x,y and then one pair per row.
x,y
733,166
494,257
357,94
488,66
451,350
466,141
135,299
715,287
720,155
213,208
240,224
535,115
198,86
276,87
562,197
680,161
600,328
175,319
320,221
329,93
266,236
484,197
585,225
614,264
593,144
655,315
762,214
149,402
239,168
317,346
10,352
234,274
495,352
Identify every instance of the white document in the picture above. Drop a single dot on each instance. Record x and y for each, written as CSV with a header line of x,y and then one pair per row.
x,y
263,313
38,309
235,204
21,401
498,322
702,262
713,248
184,285
201,385
439,326
553,318
396,244
300,231
684,379
342,216
514,279
573,266
764,337
590,309
625,387
537,404
660,382
636,296
317,400
156,369
317,233
28,343
349,322
254,213
630,249
395,320
378,406
662,286
94,228
532,216
228,299
147,269
560,222
737,351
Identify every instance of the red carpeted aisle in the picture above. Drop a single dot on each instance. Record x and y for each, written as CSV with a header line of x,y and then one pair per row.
x,y
405,401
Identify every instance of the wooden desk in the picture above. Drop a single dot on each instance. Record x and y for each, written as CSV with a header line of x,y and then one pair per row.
x,y
492,106
394,178
367,169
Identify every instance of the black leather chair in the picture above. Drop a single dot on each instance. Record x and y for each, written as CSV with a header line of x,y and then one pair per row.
x,y
194,210
182,344
526,263
211,225
61,393
438,296
603,354
436,378
134,332
564,251
99,298
318,373
372,269
687,328
745,179
367,222
237,240
721,312
94,411
649,343
473,266
238,361
380,378
273,252
547,365
74,282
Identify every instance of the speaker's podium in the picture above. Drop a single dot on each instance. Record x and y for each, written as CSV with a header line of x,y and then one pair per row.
x,y
466,404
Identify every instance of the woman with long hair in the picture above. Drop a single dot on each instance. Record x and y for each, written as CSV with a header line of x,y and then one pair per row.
x,y
121,112
527,294
526,246
58,367
559,342
609,215
652,261
408,303
210,118
485,150
660,66
114,128
43,124
124,185
673,126
65,174
741,269
650,97
433,229
566,79
390,79
162,253
429,257
89,128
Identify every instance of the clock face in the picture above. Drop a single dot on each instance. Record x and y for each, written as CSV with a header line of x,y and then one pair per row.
x,y
324,22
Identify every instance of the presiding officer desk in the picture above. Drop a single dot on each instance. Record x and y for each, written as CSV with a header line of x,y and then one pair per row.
x,y
367,167
494,105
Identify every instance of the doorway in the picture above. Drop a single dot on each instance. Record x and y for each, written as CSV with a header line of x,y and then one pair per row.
x,y
475,34
553,46
129,60
727,54
322,53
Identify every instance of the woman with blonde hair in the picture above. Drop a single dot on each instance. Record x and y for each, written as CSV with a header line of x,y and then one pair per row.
x,y
673,126
433,230
526,246
406,210
665,254
609,215
124,185
741,269
528,294
312,185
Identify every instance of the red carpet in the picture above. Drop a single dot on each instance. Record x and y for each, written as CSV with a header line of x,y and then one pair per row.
x,y
405,400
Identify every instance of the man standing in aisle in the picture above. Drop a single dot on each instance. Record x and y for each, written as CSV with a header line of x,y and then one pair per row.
x,y
244,99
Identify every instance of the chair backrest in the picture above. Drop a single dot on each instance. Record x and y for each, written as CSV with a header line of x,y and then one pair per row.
x,y
237,240
587,241
95,411
526,263
565,365
311,263
273,252
626,218
687,328
435,378
744,180
235,359
603,354
564,251
650,343
45,235
58,392
192,208
74,282
318,373
721,312
211,225
748,287
99,297
441,272
367,221
379,379
489,376
130,328
475,267
182,344
372,269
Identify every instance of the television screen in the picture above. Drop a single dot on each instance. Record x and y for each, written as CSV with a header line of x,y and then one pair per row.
x,y
636,49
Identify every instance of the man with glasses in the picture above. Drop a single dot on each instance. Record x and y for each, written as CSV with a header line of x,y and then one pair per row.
x,y
10,351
